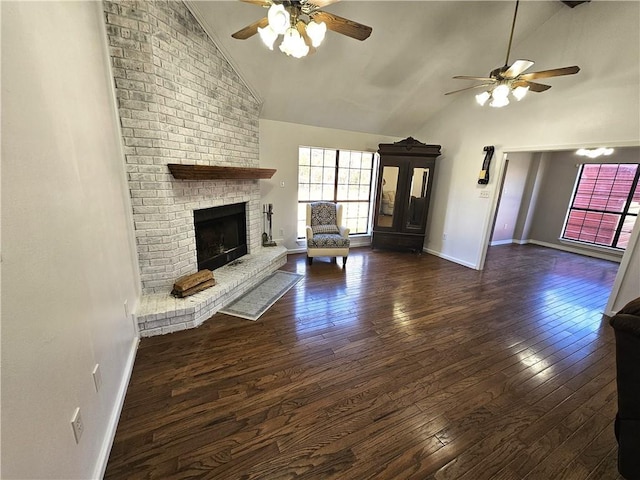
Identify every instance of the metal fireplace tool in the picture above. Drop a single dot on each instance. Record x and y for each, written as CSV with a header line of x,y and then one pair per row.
x,y
267,240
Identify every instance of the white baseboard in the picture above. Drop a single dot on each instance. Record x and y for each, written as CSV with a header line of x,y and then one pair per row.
x,y
508,242
565,248
502,242
451,259
103,457
579,251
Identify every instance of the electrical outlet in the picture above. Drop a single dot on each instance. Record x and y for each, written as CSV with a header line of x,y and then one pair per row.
x,y
97,377
126,309
484,193
281,184
77,425
444,236
282,232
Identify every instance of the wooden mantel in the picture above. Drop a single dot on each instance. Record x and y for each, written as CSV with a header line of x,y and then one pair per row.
x,y
209,172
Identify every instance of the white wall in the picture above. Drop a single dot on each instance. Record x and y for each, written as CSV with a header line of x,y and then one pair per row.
x,y
530,195
68,255
598,105
279,142
515,180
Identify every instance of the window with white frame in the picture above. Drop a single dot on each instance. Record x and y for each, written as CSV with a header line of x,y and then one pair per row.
x,y
343,176
605,205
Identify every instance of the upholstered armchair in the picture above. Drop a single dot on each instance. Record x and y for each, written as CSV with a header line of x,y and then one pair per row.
x,y
626,324
326,236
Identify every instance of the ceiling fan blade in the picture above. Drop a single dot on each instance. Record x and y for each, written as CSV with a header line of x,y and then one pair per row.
x,y
251,30
556,72
262,3
469,88
301,27
533,86
517,68
342,25
480,79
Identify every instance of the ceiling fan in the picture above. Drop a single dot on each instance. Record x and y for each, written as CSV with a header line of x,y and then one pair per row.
x,y
302,23
511,78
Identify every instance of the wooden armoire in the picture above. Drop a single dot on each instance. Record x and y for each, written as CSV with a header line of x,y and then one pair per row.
x,y
405,180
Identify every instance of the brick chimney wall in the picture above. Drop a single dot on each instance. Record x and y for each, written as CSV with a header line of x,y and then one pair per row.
x,y
179,101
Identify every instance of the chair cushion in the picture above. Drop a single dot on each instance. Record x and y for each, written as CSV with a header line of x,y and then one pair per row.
x,y
328,240
325,229
323,213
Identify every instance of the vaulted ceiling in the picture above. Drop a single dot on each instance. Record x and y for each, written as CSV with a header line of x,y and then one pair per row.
x,y
391,83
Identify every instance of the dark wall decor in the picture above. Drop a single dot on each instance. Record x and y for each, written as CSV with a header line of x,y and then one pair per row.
x,y
483,178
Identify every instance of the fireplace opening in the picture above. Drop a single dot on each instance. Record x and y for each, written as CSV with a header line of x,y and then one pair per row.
x,y
221,235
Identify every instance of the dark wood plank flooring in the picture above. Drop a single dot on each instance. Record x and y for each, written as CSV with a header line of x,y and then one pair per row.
x,y
402,366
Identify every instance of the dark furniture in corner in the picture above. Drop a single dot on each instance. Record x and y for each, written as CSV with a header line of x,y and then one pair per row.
x,y
405,178
626,324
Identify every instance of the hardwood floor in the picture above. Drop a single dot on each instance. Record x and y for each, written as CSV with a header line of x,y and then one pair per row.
x,y
402,366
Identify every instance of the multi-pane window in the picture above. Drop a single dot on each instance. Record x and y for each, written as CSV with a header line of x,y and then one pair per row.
x,y
342,176
605,205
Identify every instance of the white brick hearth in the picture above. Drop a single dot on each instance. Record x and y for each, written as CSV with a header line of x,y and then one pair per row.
x,y
161,313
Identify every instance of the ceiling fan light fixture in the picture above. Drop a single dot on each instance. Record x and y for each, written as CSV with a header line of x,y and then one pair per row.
x,y
482,98
268,36
501,92
288,43
279,18
316,32
302,23
293,44
498,102
520,92
511,78
594,153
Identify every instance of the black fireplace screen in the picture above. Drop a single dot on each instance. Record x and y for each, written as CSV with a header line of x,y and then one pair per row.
x,y
221,235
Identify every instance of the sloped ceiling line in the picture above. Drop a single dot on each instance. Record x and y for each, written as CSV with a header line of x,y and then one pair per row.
x,y
200,19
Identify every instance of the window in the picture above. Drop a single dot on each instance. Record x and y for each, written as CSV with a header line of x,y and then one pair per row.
x,y
343,176
605,205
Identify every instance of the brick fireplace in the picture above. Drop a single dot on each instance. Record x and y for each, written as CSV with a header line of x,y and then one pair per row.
x,y
181,102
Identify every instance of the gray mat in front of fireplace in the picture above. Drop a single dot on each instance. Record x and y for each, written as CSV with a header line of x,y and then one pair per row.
x,y
256,301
